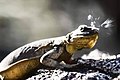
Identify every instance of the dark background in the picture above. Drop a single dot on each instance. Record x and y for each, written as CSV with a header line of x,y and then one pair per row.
x,y
24,21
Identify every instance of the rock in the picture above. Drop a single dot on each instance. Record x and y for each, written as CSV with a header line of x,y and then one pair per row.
x,y
65,75
87,69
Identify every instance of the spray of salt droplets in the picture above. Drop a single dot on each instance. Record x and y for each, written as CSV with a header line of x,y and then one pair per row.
x,y
93,22
106,24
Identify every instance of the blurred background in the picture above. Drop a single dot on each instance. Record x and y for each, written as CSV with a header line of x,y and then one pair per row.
x,y
24,21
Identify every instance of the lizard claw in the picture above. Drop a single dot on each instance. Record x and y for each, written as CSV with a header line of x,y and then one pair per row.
x,y
64,65
1,77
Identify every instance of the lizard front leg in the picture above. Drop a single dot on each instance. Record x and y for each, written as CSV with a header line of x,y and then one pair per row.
x,y
55,64
48,59
52,58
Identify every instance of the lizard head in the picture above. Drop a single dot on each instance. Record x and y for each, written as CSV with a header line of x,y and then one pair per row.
x,y
83,37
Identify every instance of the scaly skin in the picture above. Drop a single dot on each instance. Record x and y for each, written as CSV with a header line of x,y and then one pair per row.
x,y
20,70
53,52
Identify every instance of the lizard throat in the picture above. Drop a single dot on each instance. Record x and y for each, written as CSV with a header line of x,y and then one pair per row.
x,y
70,49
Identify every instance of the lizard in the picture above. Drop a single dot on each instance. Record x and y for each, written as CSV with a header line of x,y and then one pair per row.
x,y
52,52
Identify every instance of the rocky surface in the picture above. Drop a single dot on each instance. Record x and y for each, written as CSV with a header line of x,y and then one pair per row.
x,y
65,75
105,68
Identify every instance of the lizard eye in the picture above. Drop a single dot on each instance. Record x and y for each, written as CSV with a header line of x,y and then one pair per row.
x,y
81,29
69,37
